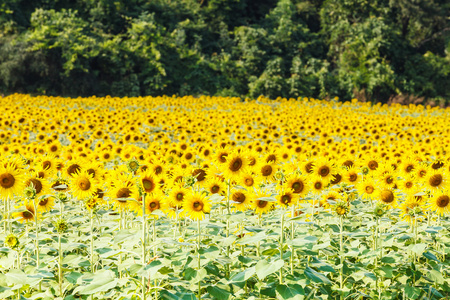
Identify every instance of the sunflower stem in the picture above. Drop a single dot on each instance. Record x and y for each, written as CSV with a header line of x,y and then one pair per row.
x,y
228,224
37,238
281,243
91,229
292,238
341,254
198,253
60,272
144,221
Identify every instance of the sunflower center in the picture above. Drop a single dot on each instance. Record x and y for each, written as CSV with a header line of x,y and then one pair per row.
x,y
99,193
148,185
180,196
297,187
123,193
154,205
46,165
442,201
437,165
239,197
43,202
262,203
215,189
188,156
37,185
435,180
27,214
409,184
271,157
251,161
223,157
286,199
249,181
84,184
387,196
40,174
318,185
352,177
197,206
373,165
389,180
324,171
337,179
236,165
199,174
348,163
72,169
7,180
309,167
369,189
91,172
422,173
409,168
158,170
266,170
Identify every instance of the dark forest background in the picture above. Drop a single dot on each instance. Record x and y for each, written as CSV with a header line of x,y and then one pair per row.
x,y
376,50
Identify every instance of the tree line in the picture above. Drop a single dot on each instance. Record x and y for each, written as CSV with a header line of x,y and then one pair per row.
x,y
378,50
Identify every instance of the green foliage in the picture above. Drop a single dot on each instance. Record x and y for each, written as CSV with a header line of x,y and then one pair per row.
x,y
288,48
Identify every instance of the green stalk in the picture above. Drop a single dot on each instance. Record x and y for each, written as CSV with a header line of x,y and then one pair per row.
x,y
281,243
292,238
341,254
198,252
60,272
91,228
144,221
228,225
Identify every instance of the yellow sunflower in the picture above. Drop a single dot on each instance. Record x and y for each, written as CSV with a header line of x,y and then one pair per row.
x,y
196,206
436,180
177,195
388,196
287,198
234,166
367,188
241,200
122,192
27,214
45,204
148,182
440,203
260,205
82,185
298,183
11,180
215,186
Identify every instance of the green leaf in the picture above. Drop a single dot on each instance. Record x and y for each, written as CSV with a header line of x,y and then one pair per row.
x,y
252,239
102,282
244,275
218,293
72,277
290,291
418,249
264,268
387,270
431,256
316,276
412,292
388,260
15,276
437,277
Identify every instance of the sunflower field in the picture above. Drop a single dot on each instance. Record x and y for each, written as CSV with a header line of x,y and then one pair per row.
x,y
219,198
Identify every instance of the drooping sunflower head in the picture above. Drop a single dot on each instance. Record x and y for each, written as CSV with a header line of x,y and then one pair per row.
x,y
27,214
388,196
72,168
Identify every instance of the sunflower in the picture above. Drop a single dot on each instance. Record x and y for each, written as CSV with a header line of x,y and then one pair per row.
x,y
27,214
234,166
41,186
95,169
266,171
411,209
316,185
11,180
260,205
367,188
351,175
215,186
329,196
154,202
324,168
196,205
45,204
306,167
408,184
220,157
287,198
177,195
157,168
72,167
249,180
298,183
421,171
148,183
387,196
387,179
241,200
82,185
408,166
122,192
436,180
440,203
48,163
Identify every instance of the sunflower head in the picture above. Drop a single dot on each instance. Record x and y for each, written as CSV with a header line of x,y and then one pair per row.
x,y
341,208
133,165
379,210
12,241
61,226
30,192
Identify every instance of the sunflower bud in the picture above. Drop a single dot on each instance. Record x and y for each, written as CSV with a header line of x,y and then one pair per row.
x,y
30,192
190,181
11,241
61,226
341,208
62,197
379,210
91,203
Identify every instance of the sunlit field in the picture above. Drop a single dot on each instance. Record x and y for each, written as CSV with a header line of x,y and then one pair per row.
x,y
215,198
